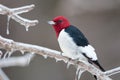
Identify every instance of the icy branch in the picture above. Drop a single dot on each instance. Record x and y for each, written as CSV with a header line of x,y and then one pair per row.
x,y
23,9
16,61
13,13
113,71
9,44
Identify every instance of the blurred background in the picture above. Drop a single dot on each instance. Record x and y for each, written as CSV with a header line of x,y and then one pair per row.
x,y
99,20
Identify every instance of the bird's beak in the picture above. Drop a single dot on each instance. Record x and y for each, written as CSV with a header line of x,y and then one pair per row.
x,y
51,22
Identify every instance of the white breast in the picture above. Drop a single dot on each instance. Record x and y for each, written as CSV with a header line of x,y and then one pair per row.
x,y
68,46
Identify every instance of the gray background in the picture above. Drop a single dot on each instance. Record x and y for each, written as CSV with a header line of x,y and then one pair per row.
x,y
99,20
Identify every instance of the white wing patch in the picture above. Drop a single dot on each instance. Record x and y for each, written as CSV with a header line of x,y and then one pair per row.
x,y
89,52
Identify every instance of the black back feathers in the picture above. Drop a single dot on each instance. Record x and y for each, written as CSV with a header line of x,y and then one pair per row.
x,y
77,36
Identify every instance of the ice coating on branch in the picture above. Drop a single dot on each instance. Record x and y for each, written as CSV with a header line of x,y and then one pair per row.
x,y
23,9
45,56
58,59
10,52
22,51
13,14
5,55
79,72
27,27
8,22
68,65
65,61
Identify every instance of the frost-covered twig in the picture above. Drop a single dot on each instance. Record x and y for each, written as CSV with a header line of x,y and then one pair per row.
x,y
16,61
9,44
113,71
23,9
13,13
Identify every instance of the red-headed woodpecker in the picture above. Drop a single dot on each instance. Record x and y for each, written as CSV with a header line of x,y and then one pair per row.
x,y
72,41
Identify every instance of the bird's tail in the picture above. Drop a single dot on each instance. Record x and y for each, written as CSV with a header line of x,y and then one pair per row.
x,y
98,64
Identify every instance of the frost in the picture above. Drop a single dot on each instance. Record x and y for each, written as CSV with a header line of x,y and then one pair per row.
x,y
5,55
13,13
23,9
58,59
27,27
79,72
65,61
45,56
8,22
8,54
22,51
68,65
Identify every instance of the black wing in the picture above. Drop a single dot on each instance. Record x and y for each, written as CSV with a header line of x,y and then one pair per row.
x,y
77,36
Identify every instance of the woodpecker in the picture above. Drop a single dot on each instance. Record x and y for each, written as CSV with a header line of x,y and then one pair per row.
x,y
72,41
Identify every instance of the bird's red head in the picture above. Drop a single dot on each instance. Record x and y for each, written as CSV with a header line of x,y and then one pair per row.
x,y
59,23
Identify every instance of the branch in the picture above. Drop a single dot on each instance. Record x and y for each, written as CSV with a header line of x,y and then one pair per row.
x,y
10,44
113,71
13,13
23,9
16,61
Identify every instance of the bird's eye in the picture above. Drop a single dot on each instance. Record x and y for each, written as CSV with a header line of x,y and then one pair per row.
x,y
59,21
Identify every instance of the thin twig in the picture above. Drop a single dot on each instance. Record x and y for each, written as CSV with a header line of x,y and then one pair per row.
x,y
23,9
113,71
16,61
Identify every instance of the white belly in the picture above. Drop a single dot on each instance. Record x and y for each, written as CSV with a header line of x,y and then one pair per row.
x,y
68,46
